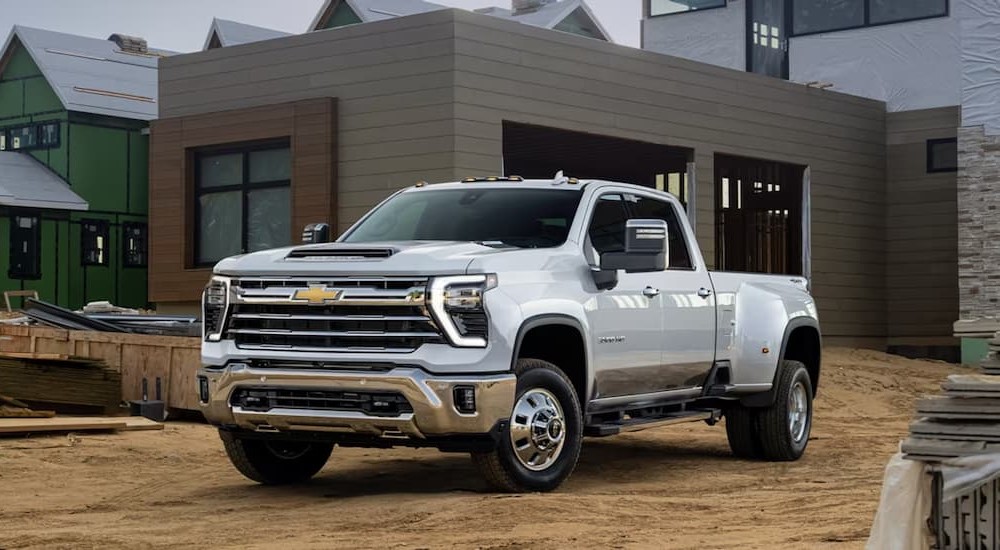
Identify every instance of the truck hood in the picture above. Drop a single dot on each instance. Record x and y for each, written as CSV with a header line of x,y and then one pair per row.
x,y
385,258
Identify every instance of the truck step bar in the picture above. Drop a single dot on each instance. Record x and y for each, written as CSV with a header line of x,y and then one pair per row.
x,y
642,423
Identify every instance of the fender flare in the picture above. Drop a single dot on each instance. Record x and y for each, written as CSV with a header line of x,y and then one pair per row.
x,y
549,319
766,399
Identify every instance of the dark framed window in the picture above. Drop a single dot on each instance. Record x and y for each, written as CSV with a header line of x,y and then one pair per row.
x,y
942,155
816,16
243,200
670,7
135,244
94,242
22,137
30,136
607,224
25,247
645,208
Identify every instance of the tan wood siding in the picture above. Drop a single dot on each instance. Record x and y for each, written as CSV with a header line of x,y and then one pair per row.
x,y
310,127
922,230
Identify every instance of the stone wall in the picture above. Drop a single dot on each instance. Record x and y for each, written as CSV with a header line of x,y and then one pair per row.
x,y
978,223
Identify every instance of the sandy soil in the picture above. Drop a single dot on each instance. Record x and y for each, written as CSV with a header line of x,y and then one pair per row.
x,y
673,487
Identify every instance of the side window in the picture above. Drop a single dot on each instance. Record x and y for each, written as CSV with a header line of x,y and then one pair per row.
x,y
651,209
607,226
135,243
25,248
94,245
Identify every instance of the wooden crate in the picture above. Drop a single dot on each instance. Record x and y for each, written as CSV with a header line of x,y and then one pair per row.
x,y
175,360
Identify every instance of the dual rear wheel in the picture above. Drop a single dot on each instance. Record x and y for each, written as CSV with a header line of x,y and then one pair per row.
x,y
779,432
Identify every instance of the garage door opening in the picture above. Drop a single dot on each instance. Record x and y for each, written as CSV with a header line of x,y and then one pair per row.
x,y
540,152
759,208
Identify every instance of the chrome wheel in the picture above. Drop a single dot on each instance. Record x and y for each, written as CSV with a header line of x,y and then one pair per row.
x,y
537,429
798,412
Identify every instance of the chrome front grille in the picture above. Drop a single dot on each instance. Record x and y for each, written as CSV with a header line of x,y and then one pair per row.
x,y
331,315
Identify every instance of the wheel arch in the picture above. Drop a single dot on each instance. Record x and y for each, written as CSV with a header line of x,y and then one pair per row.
x,y
802,341
558,339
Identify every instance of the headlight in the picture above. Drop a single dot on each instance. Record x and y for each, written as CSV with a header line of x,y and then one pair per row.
x,y
214,303
457,305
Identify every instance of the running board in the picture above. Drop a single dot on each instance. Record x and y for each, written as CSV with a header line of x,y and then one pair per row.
x,y
638,424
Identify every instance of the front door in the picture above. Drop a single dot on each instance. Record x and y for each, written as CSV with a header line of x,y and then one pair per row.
x,y
688,303
767,38
626,322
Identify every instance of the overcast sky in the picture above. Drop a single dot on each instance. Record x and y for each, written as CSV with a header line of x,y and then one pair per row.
x,y
181,25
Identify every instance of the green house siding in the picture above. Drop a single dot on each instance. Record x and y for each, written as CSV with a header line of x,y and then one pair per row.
x,y
342,15
105,160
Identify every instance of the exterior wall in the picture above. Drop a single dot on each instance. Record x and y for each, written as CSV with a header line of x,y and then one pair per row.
x,y
716,36
310,126
910,66
424,98
531,76
979,226
922,231
104,160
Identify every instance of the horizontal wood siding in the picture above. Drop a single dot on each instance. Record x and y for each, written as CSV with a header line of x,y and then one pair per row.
x,y
393,81
922,230
522,74
310,127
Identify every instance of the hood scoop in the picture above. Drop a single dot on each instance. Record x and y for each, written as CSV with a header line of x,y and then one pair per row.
x,y
340,254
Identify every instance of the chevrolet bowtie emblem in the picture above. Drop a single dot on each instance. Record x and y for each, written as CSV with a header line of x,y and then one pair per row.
x,y
317,295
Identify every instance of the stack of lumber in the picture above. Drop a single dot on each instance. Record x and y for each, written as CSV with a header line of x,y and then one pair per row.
x,y
60,381
963,420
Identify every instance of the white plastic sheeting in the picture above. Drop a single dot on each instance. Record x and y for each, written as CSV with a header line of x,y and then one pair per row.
x,y
716,36
980,23
910,66
901,520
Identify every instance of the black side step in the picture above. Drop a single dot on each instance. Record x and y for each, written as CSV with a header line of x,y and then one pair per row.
x,y
642,423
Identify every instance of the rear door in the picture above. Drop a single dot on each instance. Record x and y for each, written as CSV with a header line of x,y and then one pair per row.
x,y
688,302
627,321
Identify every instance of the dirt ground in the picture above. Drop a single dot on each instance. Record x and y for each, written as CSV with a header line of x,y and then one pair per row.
x,y
673,487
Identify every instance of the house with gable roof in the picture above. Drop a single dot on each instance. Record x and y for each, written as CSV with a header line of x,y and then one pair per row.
x,y
74,158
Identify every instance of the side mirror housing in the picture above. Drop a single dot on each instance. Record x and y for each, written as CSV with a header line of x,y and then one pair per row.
x,y
645,248
316,233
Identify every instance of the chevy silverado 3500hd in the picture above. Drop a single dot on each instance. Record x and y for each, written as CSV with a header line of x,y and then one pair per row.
x,y
504,318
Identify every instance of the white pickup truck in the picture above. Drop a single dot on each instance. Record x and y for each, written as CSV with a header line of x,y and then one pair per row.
x,y
508,319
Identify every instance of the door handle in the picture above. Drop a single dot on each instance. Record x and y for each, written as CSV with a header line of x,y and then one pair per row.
x,y
650,292
704,292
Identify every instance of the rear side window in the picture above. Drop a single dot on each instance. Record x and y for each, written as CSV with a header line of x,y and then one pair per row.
x,y
645,208
607,226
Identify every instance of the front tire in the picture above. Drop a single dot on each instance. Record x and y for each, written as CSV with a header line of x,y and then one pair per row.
x,y
541,446
275,462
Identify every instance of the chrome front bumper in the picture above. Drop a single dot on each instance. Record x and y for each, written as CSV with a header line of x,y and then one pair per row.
x,y
431,398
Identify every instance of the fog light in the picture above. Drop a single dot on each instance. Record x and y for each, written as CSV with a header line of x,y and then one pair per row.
x,y
465,399
203,389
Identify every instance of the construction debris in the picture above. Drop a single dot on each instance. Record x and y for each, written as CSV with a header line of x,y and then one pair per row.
x,y
12,408
106,317
60,381
27,426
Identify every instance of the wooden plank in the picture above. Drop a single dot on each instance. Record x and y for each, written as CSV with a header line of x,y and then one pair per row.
x,y
184,365
74,384
9,426
139,423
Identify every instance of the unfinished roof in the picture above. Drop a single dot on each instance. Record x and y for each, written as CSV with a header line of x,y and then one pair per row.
x,y
27,183
225,33
548,15
91,75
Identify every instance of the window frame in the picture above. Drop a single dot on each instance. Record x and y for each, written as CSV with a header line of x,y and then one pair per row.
x,y
127,254
245,187
102,229
931,169
36,272
648,7
790,6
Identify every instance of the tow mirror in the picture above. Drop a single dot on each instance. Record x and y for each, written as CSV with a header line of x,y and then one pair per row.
x,y
646,248
315,233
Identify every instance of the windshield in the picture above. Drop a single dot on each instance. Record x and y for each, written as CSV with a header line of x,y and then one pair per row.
x,y
523,218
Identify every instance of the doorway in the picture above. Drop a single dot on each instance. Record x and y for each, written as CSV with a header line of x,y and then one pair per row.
x,y
759,207
539,152
767,38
